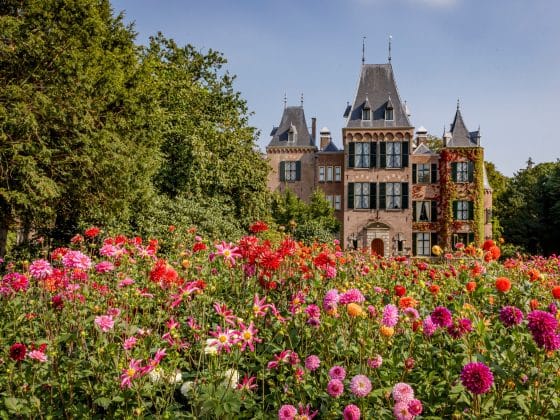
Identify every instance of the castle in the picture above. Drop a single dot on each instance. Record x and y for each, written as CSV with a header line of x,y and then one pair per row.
x,y
391,191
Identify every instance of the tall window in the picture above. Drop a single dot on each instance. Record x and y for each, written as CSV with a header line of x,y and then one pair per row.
x,y
393,154
329,173
393,194
330,199
337,201
366,114
290,173
423,173
361,195
422,211
362,155
462,172
389,114
423,244
337,173
321,174
462,212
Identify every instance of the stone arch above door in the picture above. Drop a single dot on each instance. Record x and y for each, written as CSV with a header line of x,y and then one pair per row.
x,y
376,232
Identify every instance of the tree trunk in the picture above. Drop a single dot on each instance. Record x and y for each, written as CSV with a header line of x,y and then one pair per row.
x,y
4,227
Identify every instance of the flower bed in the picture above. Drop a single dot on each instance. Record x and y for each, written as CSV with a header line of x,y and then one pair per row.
x,y
184,328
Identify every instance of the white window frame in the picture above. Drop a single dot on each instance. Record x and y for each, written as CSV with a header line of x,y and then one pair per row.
x,y
462,210
428,207
393,154
337,202
423,245
389,115
361,155
321,174
361,195
423,172
393,195
290,172
462,172
329,173
337,173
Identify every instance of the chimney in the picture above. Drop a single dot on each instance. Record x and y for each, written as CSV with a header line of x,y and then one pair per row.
x,y
325,135
314,130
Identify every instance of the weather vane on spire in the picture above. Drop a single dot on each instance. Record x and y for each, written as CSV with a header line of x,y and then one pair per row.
x,y
458,104
301,99
285,100
390,38
363,50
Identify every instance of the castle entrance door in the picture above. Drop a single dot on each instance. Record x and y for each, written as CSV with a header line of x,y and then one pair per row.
x,y
377,247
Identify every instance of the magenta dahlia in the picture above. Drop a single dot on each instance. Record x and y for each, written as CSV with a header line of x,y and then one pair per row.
x,y
477,377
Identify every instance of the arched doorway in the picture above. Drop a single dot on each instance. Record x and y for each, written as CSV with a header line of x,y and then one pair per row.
x,y
377,247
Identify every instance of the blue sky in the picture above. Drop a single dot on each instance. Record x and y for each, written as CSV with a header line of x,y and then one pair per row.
x,y
501,58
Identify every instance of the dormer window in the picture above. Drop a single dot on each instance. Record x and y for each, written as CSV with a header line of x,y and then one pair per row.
x,y
389,114
366,114
292,134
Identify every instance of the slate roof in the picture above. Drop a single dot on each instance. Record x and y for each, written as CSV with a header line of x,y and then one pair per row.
x,y
377,85
331,147
460,136
423,149
293,118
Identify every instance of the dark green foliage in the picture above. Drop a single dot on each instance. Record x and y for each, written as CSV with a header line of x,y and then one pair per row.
x,y
529,209
308,222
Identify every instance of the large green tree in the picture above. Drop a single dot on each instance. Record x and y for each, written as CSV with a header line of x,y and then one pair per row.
x,y
209,148
79,118
529,209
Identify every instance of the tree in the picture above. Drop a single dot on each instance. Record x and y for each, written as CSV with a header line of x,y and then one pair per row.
x,y
209,149
499,183
528,209
78,117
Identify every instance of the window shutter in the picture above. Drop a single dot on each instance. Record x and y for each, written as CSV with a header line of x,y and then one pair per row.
x,y
372,195
404,193
434,211
414,166
282,171
373,154
404,151
454,210
413,243
350,203
351,152
414,205
471,210
454,171
298,170
433,239
471,171
434,173
382,154
382,198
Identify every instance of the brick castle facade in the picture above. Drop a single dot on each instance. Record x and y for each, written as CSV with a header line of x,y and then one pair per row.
x,y
391,192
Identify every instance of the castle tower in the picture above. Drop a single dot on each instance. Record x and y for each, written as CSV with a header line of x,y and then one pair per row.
x,y
291,153
377,140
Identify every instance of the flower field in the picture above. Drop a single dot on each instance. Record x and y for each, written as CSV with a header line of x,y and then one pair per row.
x,y
182,327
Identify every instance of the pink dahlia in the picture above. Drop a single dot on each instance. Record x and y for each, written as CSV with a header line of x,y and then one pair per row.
x,y
352,296
510,316
351,412
40,269
104,322
287,412
460,328
402,392
335,388
441,316
390,315
104,267
415,407
401,412
75,259
477,377
330,300
337,372
360,385
312,363
375,362
429,327
37,355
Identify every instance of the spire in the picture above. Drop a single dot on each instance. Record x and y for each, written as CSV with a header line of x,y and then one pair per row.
x,y
390,38
363,50
285,100
458,104
301,99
